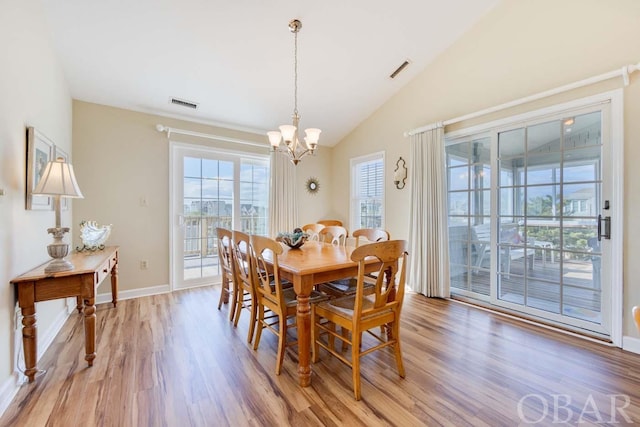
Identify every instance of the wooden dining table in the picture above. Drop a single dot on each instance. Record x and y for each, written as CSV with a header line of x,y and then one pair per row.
x,y
305,267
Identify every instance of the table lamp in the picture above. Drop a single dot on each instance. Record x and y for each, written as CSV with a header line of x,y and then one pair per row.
x,y
58,181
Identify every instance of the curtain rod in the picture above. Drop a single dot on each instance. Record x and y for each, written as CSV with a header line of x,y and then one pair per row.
x,y
170,130
624,72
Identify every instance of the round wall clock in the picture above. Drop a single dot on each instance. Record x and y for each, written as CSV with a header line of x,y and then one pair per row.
x,y
312,185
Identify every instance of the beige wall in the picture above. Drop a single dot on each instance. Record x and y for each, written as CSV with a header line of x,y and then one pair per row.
x,y
520,48
34,93
120,157
319,205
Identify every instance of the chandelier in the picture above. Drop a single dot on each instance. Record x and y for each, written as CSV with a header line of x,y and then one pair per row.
x,y
293,147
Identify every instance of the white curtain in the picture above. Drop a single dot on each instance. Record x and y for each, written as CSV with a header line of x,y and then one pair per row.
x,y
283,200
428,231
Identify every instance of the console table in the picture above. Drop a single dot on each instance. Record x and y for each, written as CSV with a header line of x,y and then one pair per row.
x,y
90,269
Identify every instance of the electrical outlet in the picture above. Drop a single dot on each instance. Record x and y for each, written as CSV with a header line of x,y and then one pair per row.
x,y
144,264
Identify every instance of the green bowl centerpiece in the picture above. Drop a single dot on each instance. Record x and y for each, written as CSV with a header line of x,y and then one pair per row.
x,y
293,240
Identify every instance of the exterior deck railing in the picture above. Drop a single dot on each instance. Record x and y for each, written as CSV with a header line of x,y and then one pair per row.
x,y
200,232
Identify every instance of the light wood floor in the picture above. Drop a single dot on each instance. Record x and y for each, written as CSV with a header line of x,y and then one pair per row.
x,y
175,360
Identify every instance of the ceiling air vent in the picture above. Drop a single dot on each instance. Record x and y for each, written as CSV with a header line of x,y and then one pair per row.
x,y
399,69
184,103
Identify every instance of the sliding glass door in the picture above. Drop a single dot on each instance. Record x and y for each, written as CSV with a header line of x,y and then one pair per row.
x,y
213,189
526,202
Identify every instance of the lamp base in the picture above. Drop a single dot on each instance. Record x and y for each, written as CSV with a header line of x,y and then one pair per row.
x,y
57,265
58,250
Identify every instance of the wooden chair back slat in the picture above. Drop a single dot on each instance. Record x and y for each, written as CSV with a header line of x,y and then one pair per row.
x,y
371,235
334,234
313,230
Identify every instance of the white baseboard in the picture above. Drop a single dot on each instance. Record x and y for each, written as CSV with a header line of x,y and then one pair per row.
x,y
631,344
134,293
8,391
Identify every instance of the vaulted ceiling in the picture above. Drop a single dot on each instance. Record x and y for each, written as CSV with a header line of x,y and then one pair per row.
x,y
235,58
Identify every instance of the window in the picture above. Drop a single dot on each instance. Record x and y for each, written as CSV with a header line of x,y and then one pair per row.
x,y
367,191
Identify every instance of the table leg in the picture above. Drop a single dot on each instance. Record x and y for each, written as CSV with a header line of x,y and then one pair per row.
x,y
90,329
303,287
304,340
29,340
79,304
114,285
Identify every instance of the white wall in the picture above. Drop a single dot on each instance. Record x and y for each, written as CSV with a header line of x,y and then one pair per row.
x,y
520,48
34,93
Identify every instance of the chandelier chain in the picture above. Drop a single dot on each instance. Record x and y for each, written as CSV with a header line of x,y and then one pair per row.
x,y
295,73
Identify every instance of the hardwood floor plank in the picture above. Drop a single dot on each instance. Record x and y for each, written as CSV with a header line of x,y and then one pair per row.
x,y
175,360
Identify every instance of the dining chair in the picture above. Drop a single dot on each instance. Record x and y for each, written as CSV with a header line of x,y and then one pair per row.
x,y
344,287
313,230
228,290
361,313
327,222
272,296
245,295
371,235
335,234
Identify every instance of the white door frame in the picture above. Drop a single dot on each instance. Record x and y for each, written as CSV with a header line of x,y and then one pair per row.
x,y
616,153
175,216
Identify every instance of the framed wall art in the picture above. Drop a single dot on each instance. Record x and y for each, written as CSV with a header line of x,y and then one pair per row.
x,y
40,150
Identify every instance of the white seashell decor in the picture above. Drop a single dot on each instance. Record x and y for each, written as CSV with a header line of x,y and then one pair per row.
x,y
93,237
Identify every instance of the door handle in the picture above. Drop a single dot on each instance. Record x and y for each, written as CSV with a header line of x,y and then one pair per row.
x,y
607,227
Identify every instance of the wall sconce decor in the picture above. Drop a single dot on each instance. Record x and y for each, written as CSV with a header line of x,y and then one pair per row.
x,y
400,174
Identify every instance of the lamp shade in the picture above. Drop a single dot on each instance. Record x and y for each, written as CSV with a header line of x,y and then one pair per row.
x,y
313,135
287,132
274,138
58,179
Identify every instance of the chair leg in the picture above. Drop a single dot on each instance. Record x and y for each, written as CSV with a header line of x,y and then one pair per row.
x,y
315,334
355,362
282,341
233,304
224,290
398,351
331,340
259,325
239,303
344,333
252,321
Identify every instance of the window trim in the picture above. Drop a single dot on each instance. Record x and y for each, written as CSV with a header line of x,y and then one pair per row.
x,y
353,163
